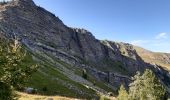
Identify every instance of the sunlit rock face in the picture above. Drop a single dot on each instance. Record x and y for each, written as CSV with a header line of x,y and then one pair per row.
x,y
35,26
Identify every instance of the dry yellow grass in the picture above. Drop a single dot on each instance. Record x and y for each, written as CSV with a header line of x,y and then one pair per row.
x,y
153,57
24,96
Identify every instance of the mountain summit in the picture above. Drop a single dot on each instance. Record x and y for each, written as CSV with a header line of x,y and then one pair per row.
x,y
72,50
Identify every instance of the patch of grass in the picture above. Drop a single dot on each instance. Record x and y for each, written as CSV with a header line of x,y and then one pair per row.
x,y
39,80
48,76
54,87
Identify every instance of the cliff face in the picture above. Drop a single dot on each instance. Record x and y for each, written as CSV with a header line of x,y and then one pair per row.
x,y
37,27
42,31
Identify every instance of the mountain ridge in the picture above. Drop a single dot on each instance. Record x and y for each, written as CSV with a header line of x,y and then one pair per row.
x,y
45,35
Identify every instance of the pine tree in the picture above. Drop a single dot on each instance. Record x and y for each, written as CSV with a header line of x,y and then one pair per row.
x,y
123,95
136,87
13,70
146,87
154,90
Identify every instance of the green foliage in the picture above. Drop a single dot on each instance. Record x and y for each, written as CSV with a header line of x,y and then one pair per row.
x,y
153,87
13,73
146,87
143,87
136,87
123,95
6,92
45,88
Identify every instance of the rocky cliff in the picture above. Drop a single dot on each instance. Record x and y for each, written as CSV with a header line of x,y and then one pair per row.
x,y
37,27
45,34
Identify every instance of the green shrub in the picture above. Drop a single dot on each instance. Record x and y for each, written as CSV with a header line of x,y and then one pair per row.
x,y
44,89
6,92
123,95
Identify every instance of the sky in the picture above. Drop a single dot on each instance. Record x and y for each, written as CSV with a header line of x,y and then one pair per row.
x,y
144,23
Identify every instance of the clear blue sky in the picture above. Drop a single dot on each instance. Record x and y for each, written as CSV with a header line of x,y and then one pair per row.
x,y
144,23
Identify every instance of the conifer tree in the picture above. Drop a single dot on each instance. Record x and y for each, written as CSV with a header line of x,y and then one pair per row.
x,y
136,87
13,70
146,87
123,95
154,90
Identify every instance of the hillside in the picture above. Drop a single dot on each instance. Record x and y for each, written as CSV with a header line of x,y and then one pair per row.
x,y
156,58
63,53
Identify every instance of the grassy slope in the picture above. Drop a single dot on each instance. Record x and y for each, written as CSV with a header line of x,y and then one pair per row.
x,y
49,77
56,83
